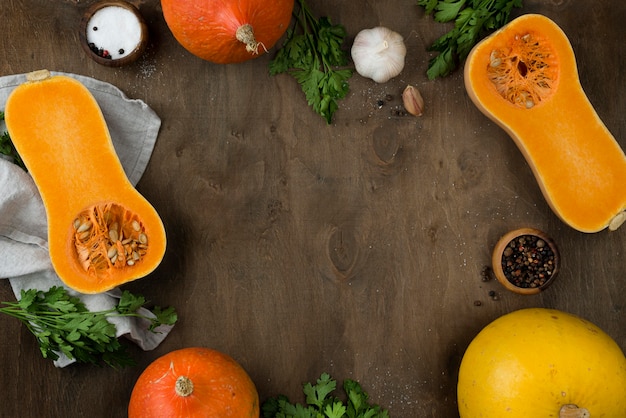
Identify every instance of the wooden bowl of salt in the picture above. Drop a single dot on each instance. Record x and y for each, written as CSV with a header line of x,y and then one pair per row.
x,y
113,33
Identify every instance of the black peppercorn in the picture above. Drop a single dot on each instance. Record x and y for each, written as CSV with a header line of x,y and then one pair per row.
x,y
527,261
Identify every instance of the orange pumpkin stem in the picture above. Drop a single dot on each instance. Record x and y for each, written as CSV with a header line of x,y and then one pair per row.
x,y
245,34
573,411
184,386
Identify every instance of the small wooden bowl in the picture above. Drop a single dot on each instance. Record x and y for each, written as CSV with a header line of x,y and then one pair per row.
x,y
132,53
521,284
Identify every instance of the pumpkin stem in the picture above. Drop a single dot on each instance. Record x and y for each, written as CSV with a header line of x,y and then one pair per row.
x,y
573,411
184,386
245,34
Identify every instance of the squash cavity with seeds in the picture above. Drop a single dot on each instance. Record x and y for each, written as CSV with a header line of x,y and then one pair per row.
x,y
101,231
524,77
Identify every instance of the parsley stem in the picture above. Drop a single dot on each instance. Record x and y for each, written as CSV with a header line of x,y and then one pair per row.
x,y
61,323
308,23
313,55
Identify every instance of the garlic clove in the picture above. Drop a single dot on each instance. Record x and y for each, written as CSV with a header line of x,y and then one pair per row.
x,y
378,53
413,101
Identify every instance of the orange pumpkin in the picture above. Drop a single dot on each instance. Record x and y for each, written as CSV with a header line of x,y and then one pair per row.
x,y
227,31
194,382
524,78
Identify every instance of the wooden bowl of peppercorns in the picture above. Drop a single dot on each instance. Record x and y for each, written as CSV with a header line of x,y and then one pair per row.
x,y
525,261
113,33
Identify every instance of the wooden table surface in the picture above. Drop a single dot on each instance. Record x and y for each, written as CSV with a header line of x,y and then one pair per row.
x,y
297,247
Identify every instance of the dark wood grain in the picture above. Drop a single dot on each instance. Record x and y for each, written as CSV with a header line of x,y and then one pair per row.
x,y
298,248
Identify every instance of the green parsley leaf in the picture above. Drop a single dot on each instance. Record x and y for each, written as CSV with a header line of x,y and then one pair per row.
x,y
7,148
320,403
448,10
312,53
61,323
129,303
472,19
316,395
335,410
429,5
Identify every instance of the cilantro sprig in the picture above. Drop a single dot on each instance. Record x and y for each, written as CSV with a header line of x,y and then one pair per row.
x,y
63,324
312,54
472,18
7,148
321,403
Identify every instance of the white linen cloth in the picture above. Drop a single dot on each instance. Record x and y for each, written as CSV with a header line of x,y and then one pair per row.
x,y
24,257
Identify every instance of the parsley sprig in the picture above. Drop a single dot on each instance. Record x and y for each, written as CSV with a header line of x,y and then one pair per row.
x,y
63,324
320,403
7,148
472,18
312,54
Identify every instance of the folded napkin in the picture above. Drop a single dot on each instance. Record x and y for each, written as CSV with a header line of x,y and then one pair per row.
x,y
24,257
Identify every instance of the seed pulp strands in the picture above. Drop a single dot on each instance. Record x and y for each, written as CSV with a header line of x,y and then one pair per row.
x,y
108,236
524,72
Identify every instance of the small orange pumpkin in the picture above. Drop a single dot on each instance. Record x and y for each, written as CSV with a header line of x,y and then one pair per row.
x,y
194,382
227,31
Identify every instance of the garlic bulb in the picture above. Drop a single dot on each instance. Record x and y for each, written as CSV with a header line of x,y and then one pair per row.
x,y
378,53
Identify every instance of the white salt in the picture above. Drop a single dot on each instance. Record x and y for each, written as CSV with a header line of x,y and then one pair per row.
x,y
114,29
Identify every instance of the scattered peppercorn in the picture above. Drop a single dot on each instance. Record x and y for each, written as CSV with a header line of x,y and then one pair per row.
x,y
100,51
528,262
121,51
486,274
380,103
477,303
398,112
493,295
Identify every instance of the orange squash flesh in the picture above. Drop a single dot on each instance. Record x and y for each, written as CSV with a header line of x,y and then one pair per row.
x,y
58,129
524,78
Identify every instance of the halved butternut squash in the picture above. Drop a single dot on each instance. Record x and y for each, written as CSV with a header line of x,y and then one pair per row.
x,y
101,231
524,77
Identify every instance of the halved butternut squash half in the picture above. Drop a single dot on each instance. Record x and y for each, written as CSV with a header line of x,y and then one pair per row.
x,y
524,77
101,231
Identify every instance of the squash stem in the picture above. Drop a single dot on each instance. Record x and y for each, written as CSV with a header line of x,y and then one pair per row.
x,y
38,75
573,411
184,386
